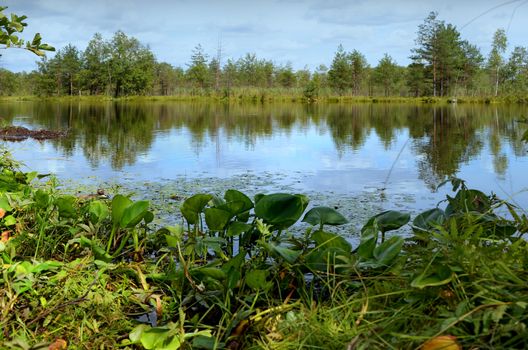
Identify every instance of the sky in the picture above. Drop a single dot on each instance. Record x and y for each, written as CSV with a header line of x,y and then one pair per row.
x,y
305,33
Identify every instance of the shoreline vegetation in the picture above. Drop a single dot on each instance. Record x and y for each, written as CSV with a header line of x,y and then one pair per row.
x,y
91,271
272,96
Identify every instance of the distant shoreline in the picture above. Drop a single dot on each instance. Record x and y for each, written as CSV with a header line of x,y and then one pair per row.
x,y
266,97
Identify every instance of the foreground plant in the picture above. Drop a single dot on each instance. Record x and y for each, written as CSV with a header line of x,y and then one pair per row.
x,y
96,274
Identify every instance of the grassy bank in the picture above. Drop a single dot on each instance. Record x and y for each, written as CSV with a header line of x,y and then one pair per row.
x,y
85,272
277,95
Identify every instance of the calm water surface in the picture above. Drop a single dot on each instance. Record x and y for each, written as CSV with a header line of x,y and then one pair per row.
x,y
344,149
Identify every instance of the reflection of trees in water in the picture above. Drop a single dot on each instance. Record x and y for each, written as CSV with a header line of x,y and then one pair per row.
x,y
443,137
448,140
349,125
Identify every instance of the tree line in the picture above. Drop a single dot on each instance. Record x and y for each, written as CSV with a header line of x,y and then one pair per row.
x,y
443,64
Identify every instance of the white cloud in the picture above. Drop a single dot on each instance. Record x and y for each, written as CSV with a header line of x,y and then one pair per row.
x,y
302,31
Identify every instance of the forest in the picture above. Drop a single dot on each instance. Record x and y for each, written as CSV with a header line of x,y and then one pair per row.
x,y
443,64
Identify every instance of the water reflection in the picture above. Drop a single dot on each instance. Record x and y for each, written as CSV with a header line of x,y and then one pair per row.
x,y
290,137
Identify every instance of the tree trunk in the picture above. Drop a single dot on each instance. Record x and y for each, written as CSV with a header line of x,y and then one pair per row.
x,y
434,78
497,82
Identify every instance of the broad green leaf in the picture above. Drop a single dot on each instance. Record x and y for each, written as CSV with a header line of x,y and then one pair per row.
x,y
320,258
243,203
42,199
387,251
36,39
67,206
258,197
98,252
193,206
46,47
287,254
98,211
281,209
119,204
217,219
31,176
148,217
391,220
243,217
9,220
429,219
172,242
236,228
4,203
173,235
170,343
135,335
256,279
216,201
468,200
154,337
134,213
369,238
329,239
324,216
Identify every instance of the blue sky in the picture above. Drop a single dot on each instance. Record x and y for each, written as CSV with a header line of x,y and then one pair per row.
x,y
302,32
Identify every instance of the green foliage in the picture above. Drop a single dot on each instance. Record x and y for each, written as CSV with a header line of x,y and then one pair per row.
x,y
311,91
444,56
495,60
234,271
324,216
339,74
198,70
280,209
120,66
194,206
428,220
387,74
163,338
14,24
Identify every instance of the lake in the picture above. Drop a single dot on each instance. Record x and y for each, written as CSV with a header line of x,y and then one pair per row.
x,y
402,151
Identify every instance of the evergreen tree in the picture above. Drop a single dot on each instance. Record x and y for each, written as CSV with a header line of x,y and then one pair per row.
x,y
416,82
386,74
441,52
198,71
471,65
339,74
515,72
358,70
71,68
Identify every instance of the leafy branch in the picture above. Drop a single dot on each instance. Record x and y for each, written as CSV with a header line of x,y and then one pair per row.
x,y
11,26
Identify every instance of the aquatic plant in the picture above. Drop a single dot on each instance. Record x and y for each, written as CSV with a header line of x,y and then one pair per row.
x,y
91,272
